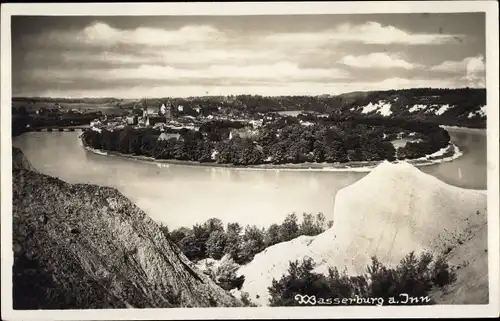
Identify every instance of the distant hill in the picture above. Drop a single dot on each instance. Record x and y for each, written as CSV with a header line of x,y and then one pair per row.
x,y
465,107
457,107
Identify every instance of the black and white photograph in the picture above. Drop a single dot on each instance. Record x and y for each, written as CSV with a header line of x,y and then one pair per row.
x,y
291,160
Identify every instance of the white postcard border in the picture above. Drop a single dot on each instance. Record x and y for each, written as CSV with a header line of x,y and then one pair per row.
x,y
245,8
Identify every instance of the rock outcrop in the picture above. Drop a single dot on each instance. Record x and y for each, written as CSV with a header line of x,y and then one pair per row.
x,y
85,246
392,211
19,161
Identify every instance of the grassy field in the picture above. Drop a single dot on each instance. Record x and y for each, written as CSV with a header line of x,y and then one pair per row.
x,y
111,108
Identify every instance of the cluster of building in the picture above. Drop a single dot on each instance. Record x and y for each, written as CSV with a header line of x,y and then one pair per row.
x,y
160,117
152,115
167,116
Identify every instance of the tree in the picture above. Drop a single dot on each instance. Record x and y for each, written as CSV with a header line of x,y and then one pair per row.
x,y
178,234
233,239
307,226
320,222
253,243
289,229
216,244
272,235
247,251
233,229
148,145
205,149
192,248
124,140
213,224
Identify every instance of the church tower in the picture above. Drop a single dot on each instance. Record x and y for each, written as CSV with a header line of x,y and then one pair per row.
x,y
168,110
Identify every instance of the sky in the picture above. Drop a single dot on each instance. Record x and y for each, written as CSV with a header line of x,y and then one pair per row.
x,y
180,56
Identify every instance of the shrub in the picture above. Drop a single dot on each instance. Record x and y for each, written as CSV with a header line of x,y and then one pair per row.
x,y
223,273
165,230
177,235
245,298
415,276
193,248
300,279
441,273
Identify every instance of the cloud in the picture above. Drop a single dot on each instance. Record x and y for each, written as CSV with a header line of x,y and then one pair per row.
x,y
475,64
193,59
469,65
269,87
472,68
101,34
377,60
177,56
104,35
281,71
369,33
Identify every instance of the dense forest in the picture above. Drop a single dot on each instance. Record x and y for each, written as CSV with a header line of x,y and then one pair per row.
x,y
334,139
212,240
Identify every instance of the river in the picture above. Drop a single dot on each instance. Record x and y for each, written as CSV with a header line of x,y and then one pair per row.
x,y
179,195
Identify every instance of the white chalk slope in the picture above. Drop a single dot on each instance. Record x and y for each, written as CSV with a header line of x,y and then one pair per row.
x,y
381,107
384,108
392,211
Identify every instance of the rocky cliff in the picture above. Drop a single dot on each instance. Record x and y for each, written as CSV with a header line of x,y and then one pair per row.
x,y
19,161
85,246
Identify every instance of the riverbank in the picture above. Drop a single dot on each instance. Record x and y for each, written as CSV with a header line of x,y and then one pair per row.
x,y
465,129
446,154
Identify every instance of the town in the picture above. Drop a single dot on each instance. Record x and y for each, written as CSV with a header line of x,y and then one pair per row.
x,y
168,117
